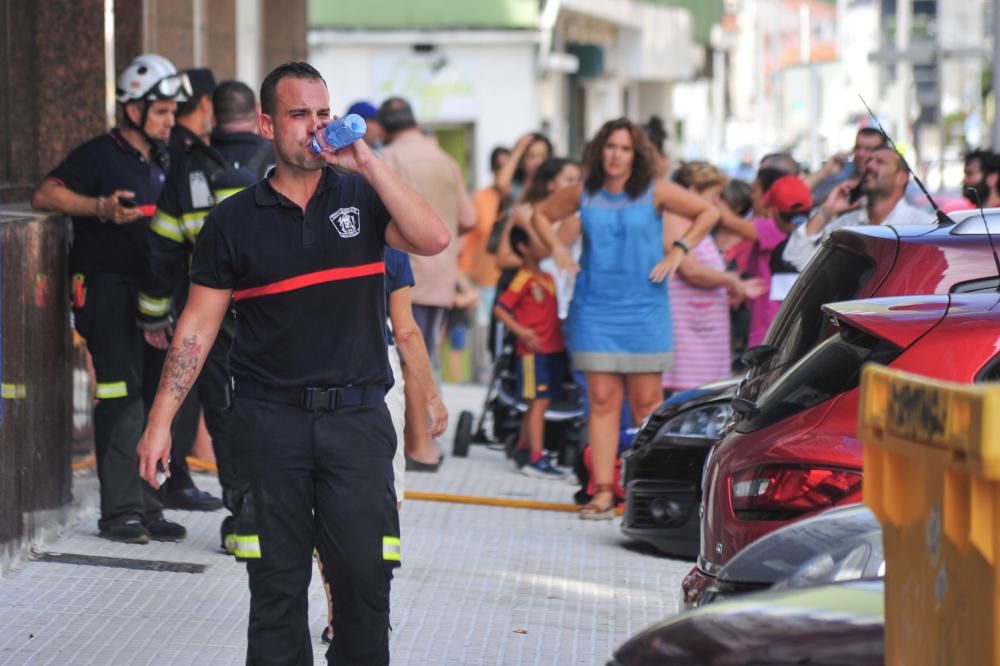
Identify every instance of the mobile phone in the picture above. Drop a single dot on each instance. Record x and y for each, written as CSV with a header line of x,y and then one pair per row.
x,y
854,194
161,475
126,202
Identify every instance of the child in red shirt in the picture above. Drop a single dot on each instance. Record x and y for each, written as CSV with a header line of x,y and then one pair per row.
x,y
529,310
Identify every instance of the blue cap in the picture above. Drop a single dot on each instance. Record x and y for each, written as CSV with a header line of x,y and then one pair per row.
x,y
364,109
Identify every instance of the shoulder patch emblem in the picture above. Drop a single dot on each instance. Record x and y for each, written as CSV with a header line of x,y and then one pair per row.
x,y
347,221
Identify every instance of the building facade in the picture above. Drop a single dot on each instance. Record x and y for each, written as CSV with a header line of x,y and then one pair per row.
x,y
482,74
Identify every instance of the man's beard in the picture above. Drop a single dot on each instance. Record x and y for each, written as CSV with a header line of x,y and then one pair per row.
x,y
982,190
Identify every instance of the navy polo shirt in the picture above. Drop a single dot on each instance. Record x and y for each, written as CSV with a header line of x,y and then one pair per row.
x,y
97,168
398,274
308,286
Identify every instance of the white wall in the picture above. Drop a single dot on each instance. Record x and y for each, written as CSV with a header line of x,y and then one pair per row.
x,y
483,82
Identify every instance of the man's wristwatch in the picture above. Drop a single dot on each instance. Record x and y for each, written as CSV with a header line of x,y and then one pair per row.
x,y
682,245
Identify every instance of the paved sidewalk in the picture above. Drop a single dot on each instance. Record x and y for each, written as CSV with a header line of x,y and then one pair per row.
x,y
479,585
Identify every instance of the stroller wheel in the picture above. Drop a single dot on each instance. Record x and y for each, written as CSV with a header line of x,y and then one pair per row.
x,y
463,435
509,443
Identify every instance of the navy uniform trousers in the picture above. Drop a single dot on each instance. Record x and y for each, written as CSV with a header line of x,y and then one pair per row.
x,y
318,479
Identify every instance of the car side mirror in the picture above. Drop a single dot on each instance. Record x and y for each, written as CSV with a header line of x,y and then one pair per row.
x,y
743,407
757,355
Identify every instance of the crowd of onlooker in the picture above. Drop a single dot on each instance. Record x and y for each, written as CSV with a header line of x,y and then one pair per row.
x,y
642,278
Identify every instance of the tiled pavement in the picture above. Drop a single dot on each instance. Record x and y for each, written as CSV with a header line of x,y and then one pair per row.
x,y
479,585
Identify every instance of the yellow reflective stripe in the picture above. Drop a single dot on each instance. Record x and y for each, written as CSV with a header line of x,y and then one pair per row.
x,y
224,193
391,549
247,547
13,391
168,227
107,390
153,307
192,224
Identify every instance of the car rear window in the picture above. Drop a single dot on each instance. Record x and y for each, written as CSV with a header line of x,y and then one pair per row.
x,y
832,368
990,372
835,274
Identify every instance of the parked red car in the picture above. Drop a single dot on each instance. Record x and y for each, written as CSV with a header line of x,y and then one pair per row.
x,y
663,469
796,451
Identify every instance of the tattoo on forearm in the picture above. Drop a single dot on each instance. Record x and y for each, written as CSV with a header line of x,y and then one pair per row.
x,y
180,368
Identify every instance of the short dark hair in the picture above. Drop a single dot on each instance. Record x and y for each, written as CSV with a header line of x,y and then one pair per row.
x,y
874,133
495,157
738,196
518,237
656,132
782,161
767,177
268,89
643,156
396,115
202,83
233,101
989,162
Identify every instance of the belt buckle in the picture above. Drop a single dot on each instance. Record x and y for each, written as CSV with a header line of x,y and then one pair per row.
x,y
320,399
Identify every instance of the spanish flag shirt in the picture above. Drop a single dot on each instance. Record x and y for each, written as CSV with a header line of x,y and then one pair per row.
x,y
531,298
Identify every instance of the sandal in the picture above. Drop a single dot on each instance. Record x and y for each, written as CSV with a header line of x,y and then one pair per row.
x,y
592,510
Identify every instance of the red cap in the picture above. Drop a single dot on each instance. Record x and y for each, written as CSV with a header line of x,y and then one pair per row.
x,y
789,195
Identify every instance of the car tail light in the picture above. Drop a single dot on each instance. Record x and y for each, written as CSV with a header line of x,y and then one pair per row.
x,y
780,492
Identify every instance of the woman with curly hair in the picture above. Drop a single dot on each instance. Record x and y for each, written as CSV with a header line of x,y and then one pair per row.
x,y
619,324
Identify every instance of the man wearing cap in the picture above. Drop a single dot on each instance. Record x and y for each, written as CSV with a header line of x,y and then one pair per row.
x,y
110,185
777,197
884,185
375,134
194,115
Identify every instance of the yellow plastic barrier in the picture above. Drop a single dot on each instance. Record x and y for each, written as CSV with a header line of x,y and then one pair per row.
x,y
932,476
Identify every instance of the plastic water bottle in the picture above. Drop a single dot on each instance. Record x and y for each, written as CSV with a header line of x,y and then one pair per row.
x,y
338,134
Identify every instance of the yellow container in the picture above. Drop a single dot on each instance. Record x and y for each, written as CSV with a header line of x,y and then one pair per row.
x,y
932,476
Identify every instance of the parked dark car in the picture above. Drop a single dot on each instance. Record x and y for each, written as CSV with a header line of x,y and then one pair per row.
x,y
839,544
662,470
853,263
826,625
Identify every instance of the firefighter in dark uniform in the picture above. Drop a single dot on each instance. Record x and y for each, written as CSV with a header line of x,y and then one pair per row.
x,y
109,185
202,176
301,254
192,129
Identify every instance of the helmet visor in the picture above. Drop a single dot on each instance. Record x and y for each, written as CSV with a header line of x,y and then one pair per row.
x,y
176,87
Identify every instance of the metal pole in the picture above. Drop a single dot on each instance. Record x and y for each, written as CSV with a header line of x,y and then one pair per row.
x,y
904,70
805,56
719,76
996,73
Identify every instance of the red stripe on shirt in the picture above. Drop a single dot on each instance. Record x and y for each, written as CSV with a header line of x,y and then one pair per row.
x,y
311,279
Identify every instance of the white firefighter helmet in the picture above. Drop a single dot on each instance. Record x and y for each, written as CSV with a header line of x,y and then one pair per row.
x,y
152,77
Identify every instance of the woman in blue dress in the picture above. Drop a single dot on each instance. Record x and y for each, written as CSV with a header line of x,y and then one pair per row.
x,y
619,328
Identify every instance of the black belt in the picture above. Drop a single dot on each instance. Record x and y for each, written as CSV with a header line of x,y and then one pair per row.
x,y
316,398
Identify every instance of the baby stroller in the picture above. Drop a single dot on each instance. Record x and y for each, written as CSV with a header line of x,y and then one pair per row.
x,y
499,422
